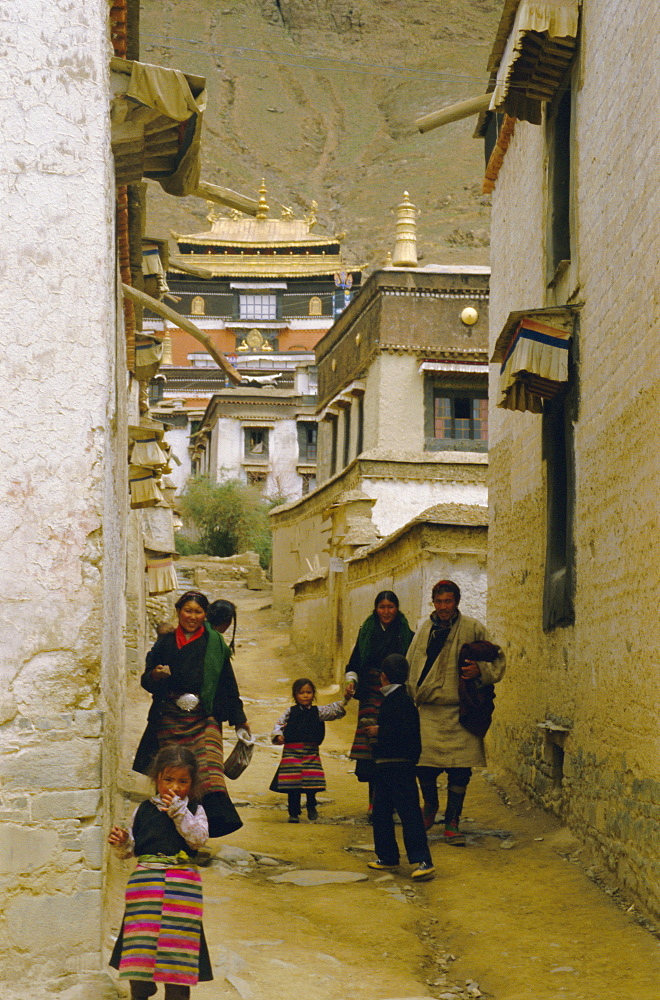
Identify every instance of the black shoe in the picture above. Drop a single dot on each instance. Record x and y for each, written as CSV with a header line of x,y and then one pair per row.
x,y
423,872
312,814
294,819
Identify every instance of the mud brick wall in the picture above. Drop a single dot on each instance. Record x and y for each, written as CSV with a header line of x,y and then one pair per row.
x,y
599,678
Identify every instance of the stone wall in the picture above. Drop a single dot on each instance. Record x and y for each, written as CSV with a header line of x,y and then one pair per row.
x,y
62,544
409,562
578,717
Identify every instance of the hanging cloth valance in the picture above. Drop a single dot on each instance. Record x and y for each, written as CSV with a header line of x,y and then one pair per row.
x,y
143,485
148,356
147,450
160,571
535,366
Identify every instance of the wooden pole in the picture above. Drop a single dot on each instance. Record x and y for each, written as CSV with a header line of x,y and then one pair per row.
x,y
225,196
147,302
454,113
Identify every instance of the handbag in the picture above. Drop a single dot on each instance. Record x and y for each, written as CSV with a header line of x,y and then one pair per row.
x,y
476,701
239,758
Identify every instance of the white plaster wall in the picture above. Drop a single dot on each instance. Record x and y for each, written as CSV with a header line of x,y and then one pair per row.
x,y
398,501
283,479
179,438
62,489
400,389
228,442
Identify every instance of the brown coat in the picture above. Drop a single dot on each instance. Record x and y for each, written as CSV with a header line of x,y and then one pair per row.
x,y
445,743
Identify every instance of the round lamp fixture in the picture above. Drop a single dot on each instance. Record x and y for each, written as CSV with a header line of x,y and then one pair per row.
x,y
469,316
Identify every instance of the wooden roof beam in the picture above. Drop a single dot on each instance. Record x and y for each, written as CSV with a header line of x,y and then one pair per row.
x,y
226,197
454,113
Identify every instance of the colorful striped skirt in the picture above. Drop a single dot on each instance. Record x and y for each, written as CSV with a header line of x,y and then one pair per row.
x,y
367,716
300,769
202,734
162,939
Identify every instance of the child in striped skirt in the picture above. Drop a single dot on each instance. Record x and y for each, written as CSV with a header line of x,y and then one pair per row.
x,y
301,730
161,938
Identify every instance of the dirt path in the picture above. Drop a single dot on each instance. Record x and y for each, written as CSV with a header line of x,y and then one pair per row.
x,y
509,917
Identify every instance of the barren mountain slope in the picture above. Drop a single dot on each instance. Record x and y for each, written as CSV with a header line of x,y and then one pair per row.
x,y
319,97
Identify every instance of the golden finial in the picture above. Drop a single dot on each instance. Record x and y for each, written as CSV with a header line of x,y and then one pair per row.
x,y
262,211
311,218
405,244
388,259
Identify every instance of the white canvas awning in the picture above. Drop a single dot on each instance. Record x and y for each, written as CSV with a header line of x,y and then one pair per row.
x,y
474,367
538,50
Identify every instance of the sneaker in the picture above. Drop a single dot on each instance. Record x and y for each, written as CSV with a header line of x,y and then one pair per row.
x,y
294,819
428,815
382,866
423,872
312,814
453,835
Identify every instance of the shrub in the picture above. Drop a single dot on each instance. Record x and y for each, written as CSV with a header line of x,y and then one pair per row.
x,y
230,517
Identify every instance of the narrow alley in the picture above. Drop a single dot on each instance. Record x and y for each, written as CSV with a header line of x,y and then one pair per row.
x,y
513,916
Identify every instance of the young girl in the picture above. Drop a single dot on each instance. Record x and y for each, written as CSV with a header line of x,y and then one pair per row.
x,y
161,938
301,730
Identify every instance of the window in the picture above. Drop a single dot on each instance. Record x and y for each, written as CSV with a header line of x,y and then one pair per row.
x,y
197,307
308,482
315,306
359,446
459,420
156,389
333,446
257,307
256,443
558,138
347,435
307,433
557,434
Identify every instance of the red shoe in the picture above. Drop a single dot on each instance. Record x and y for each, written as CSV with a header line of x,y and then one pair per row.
x,y
428,815
453,835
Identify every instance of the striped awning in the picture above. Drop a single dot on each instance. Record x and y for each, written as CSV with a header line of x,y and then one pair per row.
x,y
534,367
160,571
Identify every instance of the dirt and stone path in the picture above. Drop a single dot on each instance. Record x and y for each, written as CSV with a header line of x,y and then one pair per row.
x,y
512,916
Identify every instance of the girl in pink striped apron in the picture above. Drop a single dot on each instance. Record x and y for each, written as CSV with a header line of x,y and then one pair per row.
x,y
162,938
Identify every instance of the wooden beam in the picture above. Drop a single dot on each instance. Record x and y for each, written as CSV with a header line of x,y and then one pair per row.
x,y
227,197
147,302
454,113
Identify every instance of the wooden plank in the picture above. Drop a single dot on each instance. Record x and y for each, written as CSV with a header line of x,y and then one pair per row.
x,y
183,323
454,113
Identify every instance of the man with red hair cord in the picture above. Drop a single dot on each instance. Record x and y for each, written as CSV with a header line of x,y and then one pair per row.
x,y
447,745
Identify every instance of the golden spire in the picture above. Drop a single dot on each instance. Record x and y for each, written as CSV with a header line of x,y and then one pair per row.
x,y
262,211
405,245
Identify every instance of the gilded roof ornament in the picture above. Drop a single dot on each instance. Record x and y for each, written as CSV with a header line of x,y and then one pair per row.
x,y
311,218
212,213
262,211
287,213
405,244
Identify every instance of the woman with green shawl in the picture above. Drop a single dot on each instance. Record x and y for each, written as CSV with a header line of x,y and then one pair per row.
x,y
385,631
191,680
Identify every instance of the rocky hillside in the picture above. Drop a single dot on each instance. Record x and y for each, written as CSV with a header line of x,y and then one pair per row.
x,y
319,97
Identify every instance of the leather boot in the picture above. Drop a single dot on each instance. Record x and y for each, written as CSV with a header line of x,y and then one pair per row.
x,y
455,799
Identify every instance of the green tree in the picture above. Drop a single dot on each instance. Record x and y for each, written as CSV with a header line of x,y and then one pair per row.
x,y
229,517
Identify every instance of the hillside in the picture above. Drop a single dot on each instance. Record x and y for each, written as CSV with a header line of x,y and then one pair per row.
x,y
319,97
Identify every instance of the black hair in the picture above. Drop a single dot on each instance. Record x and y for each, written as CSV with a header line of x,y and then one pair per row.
x,y
176,756
222,613
386,595
395,667
447,587
298,685
192,595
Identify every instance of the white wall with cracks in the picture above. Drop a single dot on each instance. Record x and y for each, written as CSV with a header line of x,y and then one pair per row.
x,y
62,495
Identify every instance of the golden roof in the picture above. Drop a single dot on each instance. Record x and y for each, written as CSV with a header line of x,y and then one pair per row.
x,y
254,266
255,233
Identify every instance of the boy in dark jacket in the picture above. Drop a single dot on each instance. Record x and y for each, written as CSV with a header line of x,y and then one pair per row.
x,y
396,752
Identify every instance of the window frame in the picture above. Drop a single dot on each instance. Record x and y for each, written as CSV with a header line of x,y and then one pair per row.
x,y
254,315
434,388
249,456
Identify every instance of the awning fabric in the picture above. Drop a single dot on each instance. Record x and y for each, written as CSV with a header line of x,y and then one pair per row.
x,y
535,366
474,367
537,53
164,90
148,356
160,572
143,485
